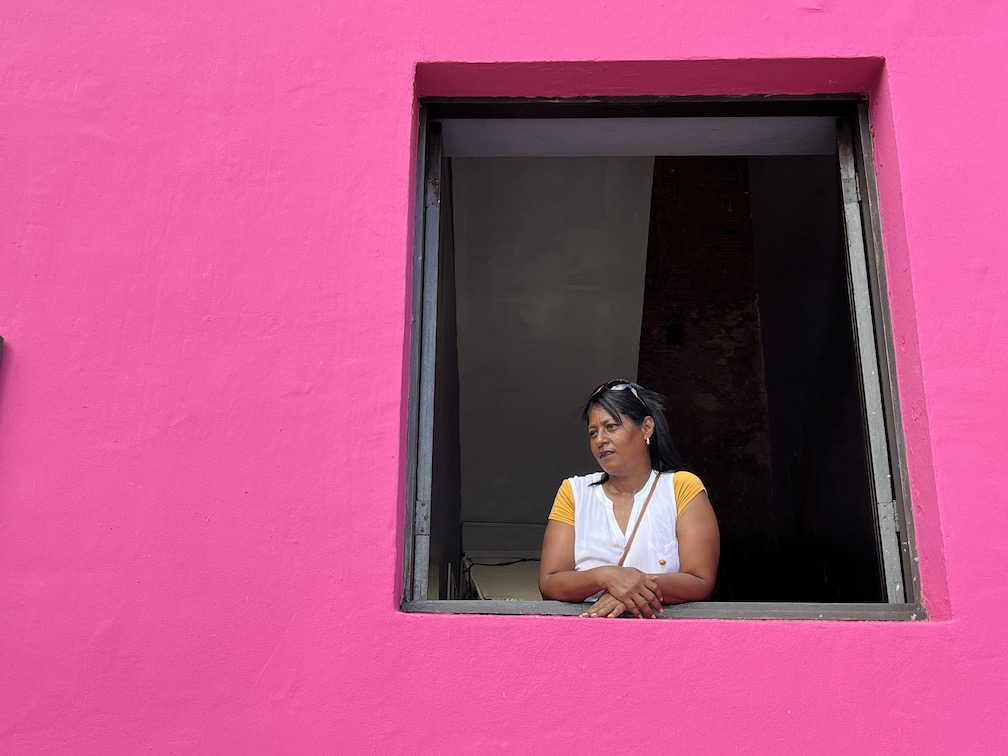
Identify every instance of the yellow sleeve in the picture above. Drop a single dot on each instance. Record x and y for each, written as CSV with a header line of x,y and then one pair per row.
x,y
563,505
686,485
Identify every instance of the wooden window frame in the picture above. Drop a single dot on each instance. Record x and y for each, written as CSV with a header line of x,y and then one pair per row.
x,y
870,311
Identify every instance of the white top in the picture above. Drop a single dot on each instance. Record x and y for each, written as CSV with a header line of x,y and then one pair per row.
x,y
598,540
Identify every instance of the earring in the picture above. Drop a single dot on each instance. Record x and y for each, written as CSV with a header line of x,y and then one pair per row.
x,y
647,440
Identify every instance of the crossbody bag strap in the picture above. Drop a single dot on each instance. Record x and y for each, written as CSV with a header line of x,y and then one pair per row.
x,y
640,517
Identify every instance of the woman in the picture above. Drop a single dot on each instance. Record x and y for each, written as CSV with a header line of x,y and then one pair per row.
x,y
673,554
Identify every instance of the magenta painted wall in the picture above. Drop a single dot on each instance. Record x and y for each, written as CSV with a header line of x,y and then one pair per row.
x,y
205,231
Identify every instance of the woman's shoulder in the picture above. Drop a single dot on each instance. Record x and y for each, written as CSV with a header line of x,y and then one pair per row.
x,y
588,479
570,492
580,485
686,485
685,477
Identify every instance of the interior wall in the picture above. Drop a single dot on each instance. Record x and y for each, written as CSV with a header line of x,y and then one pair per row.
x,y
700,347
667,135
550,258
820,478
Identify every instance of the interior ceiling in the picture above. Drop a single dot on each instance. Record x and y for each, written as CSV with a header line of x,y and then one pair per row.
x,y
614,137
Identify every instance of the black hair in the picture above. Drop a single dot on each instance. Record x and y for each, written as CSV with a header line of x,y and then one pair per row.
x,y
636,405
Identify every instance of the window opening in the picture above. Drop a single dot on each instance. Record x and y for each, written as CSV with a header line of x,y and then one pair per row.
x,y
721,260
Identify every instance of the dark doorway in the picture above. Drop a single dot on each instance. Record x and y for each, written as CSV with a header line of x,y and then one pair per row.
x,y
746,329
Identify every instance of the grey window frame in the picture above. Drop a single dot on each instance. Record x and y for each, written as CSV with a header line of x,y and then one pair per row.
x,y
873,335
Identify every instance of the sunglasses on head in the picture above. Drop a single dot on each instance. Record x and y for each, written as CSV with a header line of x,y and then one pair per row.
x,y
619,385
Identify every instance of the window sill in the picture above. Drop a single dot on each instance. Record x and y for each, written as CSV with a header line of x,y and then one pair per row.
x,y
727,610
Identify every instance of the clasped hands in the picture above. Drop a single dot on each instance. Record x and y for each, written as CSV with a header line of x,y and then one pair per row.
x,y
628,589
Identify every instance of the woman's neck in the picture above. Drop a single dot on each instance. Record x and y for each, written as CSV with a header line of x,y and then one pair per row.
x,y
630,484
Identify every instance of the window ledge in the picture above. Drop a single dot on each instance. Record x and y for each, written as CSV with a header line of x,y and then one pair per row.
x,y
720,610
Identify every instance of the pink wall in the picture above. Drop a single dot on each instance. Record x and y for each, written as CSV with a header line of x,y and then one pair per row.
x,y
205,216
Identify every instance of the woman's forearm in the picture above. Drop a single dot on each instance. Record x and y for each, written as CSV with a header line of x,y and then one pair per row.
x,y
575,585
680,587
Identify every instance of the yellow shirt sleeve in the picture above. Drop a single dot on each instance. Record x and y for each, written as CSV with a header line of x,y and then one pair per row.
x,y
686,485
563,505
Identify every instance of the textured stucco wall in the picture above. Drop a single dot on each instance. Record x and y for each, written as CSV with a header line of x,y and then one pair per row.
x,y
205,232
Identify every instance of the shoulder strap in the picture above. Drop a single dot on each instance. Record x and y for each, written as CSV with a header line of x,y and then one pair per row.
x,y
643,509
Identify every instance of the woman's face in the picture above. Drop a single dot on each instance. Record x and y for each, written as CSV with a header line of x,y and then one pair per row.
x,y
618,444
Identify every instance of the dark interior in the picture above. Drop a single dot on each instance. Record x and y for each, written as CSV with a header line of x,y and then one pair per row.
x,y
747,331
